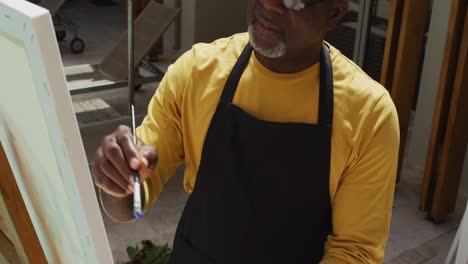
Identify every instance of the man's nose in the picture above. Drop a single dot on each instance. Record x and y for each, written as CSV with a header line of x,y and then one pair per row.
x,y
274,6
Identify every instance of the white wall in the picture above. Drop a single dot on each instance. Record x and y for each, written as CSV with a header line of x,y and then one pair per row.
x,y
206,21
429,84
219,19
187,26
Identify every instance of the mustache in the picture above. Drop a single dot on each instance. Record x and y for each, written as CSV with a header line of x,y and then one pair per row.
x,y
257,12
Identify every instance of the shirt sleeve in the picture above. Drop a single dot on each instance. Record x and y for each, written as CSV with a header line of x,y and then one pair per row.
x,y
162,127
363,202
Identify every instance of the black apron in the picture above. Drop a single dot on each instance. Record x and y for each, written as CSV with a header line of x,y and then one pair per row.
x,y
262,188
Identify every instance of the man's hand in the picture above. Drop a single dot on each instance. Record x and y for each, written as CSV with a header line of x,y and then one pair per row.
x,y
115,159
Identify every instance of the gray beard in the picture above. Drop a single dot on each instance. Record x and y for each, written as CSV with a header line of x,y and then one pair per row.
x,y
275,52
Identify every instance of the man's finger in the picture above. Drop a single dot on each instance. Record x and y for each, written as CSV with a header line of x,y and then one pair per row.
x,y
106,184
113,152
130,151
111,172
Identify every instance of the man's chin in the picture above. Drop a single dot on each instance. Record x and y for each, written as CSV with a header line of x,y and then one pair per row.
x,y
269,47
265,41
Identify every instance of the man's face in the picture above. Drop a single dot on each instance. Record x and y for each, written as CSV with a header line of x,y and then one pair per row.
x,y
275,30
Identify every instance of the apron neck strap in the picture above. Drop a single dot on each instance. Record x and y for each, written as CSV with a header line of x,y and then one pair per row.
x,y
326,99
235,76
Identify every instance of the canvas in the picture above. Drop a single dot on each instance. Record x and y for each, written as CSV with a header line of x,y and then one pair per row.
x,y
39,132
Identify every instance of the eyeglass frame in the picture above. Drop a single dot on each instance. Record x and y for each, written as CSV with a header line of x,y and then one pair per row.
x,y
299,5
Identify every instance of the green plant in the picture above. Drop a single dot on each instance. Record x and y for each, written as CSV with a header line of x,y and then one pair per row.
x,y
149,253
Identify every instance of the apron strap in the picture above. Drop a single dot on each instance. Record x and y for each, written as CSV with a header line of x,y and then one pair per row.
x,y
235,76
326,101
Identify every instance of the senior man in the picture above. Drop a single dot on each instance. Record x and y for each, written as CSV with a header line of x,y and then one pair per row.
x,y
290,148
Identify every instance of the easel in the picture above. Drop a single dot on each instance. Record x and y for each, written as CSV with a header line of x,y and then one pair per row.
x,y
18,212
45,181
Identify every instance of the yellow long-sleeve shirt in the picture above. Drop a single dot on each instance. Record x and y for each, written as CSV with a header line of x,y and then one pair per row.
x,y
364,143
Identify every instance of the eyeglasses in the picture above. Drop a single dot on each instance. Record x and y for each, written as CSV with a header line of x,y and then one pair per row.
x,y
298,5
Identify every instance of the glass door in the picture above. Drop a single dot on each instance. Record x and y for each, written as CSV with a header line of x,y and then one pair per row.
x,y
374,45
346,34
361,34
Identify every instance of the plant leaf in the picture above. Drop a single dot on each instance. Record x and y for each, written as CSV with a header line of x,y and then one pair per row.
x,y
151,256
131,252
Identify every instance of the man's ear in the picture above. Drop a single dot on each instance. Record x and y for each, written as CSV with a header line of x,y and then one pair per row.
x,y
337,11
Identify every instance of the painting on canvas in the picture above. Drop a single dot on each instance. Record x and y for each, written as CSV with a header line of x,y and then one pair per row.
x,y
40,135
